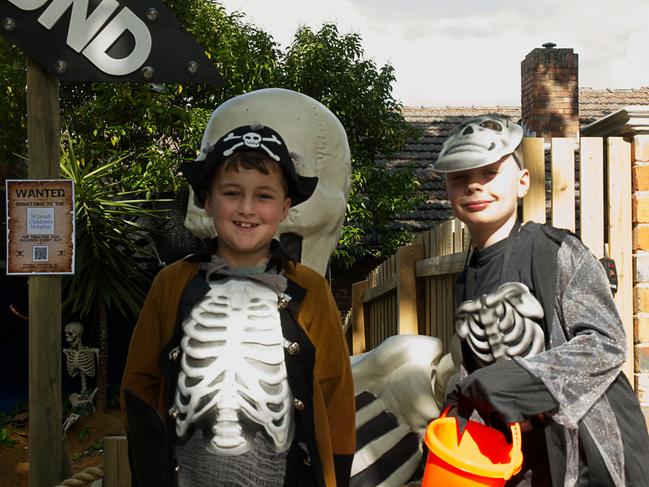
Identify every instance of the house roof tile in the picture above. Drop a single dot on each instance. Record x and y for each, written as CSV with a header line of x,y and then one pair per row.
x,y
595,104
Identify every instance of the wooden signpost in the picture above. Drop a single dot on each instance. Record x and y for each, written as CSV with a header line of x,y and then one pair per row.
x,y
113,41
46,460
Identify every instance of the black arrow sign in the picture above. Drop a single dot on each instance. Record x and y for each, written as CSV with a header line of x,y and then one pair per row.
x,y
106,40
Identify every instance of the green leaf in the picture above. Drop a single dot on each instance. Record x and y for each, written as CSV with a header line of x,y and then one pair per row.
x,y
108,235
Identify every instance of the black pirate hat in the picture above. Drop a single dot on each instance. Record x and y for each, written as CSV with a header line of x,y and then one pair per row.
x,y
249,138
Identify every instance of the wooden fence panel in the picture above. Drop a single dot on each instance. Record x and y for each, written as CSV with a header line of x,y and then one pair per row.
x,y
392,302
591,194
117,472
436,303
446,310
534,202
429,323
358,317
466,239
563,183
373,328
620,235
448,316
445,254
407,292
430,286
444,238
458,236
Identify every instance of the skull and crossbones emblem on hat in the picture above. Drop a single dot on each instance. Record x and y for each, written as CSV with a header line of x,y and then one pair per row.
x,y
252,140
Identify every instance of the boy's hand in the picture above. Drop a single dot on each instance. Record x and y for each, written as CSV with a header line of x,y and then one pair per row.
x,y
503,388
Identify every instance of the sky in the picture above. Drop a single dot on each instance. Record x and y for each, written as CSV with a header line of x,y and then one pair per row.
x,y
468,52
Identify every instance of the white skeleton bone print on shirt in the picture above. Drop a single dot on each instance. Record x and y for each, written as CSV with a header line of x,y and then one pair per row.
x,y
233,379
501,325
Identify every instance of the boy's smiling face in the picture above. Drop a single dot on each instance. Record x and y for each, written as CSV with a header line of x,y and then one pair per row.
x,y
486,198
247,206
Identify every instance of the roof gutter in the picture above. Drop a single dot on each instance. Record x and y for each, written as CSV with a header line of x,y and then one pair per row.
x,y
625,122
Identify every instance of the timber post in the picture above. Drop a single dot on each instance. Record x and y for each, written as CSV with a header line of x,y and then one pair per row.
x,y
46,465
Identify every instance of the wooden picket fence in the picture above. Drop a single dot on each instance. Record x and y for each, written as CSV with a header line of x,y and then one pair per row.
x,y
413,291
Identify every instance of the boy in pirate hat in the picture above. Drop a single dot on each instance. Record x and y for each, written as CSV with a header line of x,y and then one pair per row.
x,y
238,372
542,342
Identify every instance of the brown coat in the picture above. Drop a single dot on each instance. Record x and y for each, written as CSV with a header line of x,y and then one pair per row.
x,y
333,392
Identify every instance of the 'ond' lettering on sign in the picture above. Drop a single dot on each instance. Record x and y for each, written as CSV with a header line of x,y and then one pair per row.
x,y
107,40
93,35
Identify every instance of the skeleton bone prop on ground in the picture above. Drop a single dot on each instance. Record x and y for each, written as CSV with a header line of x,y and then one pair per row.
x,y
399,388
319,147
79,361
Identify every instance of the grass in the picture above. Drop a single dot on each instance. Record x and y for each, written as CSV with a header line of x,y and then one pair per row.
x,y
5,438
84,433
96,447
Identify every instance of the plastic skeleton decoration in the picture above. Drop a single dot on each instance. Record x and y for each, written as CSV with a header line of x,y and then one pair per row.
x,y
501,325
395,386
79,361
233,379
319,148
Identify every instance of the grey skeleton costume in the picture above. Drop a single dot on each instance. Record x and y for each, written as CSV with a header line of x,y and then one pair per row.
x,y
593,425
542,341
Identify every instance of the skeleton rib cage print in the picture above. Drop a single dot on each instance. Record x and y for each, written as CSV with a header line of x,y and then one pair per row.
x,y
233,379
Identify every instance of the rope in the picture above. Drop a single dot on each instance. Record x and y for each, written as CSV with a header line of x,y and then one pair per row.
x,y
83,478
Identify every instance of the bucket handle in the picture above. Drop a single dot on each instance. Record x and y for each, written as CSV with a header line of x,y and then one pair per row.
x,y
516,460
517,454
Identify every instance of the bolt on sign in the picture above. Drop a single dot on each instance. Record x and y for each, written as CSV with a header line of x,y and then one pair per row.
x,y
106,40
40,226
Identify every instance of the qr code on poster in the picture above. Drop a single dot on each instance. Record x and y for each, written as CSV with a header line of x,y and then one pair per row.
x,y
40,254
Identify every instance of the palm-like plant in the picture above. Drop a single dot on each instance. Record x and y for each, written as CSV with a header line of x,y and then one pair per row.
x,y
109,239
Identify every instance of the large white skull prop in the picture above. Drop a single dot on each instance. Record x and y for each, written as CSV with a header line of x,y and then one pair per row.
x,y
319,147
478,142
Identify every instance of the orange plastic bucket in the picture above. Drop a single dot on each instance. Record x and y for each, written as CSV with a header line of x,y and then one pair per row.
x,y
481,456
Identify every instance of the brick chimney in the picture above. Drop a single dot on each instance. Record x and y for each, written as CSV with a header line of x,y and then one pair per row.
x,y
550,92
